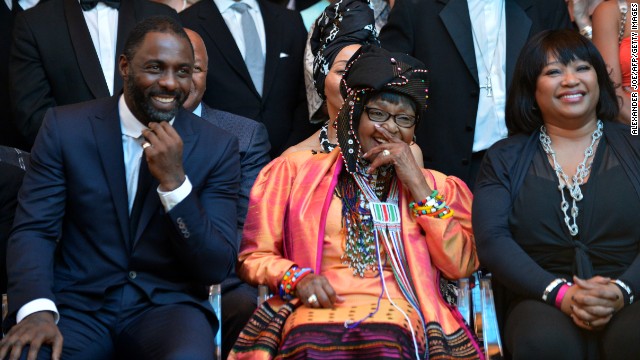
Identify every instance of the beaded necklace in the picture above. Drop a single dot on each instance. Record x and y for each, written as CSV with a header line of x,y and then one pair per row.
x,y
360,250
582,172
387,235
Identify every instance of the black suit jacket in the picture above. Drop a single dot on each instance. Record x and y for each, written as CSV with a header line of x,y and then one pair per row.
x,y
71,238
53,61
253,143
282,107
9,135
438,32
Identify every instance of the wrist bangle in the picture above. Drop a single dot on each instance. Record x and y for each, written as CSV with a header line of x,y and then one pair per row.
x,y
561,293
290,280
552,285
626,289
587,32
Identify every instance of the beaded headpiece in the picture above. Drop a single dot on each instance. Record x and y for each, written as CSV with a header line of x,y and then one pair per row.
x,y
343,23
371,70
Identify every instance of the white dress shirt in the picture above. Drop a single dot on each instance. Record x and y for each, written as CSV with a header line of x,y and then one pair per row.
x,y
102,22
232,19
132,141
489,26
24,4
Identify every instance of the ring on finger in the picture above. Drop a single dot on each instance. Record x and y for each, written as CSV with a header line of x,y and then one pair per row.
x,y
588,323
146,145
386,152
312,299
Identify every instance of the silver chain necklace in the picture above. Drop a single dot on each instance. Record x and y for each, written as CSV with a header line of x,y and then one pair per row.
x,y
488,85
582,172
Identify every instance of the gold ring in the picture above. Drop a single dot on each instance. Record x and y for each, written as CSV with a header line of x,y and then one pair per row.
x,y
386,152
312,299
146,145
588,323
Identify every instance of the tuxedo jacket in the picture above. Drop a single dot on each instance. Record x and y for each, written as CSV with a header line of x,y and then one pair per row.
x,y
73,238
53,61
438,33
253,144
282,108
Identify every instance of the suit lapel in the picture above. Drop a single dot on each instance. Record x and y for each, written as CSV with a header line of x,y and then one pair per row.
x,y
518,27
273,34
151,201
126,22
85,51
213,24
455,16
106,129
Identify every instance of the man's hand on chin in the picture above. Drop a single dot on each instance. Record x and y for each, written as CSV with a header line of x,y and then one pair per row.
x,y
35,330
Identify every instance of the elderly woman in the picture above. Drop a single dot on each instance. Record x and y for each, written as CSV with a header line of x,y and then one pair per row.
x,y
353,241
338,33
556,208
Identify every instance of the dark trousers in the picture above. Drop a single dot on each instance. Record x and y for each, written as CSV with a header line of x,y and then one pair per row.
x,y
238,304
535,330
128,327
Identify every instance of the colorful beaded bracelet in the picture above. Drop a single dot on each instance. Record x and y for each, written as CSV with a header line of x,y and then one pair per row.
x,y
290,280
434,206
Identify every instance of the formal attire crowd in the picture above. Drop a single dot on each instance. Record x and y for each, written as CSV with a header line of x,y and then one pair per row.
x,y
91,234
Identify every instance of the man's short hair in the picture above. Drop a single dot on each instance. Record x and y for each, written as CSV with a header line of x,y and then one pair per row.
x,y
161,24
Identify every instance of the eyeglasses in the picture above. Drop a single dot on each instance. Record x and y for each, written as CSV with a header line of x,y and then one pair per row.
x,y
402,120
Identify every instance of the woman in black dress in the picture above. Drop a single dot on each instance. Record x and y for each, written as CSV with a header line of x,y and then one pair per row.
x,y
556,208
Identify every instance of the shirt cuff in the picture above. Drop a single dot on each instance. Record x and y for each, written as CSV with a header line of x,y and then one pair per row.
x,y
172,198
35,306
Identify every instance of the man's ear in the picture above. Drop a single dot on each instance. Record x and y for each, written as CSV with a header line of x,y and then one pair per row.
x,y
123,66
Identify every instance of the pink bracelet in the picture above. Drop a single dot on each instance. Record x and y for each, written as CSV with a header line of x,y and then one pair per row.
x,y
561,293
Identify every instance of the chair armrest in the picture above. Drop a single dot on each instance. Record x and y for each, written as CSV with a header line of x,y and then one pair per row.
x,y
215,298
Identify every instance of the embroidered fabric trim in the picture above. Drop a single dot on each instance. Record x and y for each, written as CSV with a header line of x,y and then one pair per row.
x,y
325,144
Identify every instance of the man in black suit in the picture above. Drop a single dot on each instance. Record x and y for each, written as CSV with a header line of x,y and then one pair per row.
x,y
278,100
464,115
63,54
126,215
239,300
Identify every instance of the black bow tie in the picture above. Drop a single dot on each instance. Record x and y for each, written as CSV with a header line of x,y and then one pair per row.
x,y
87,5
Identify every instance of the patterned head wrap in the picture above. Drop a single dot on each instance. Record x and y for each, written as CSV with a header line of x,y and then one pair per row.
x,y
372,70
343,23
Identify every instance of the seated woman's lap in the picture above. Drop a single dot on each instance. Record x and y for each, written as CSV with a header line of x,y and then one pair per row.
x,y
535,330
621,338
386,334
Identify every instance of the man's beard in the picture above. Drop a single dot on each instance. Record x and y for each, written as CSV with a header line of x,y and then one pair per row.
x,y
143,101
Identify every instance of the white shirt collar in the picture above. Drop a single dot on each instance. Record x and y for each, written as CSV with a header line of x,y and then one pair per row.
x,y
198,111
129,124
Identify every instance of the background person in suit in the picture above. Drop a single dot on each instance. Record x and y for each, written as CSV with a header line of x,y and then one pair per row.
x,y
125,275
269,90
65,52
239,300
9,135
462,42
